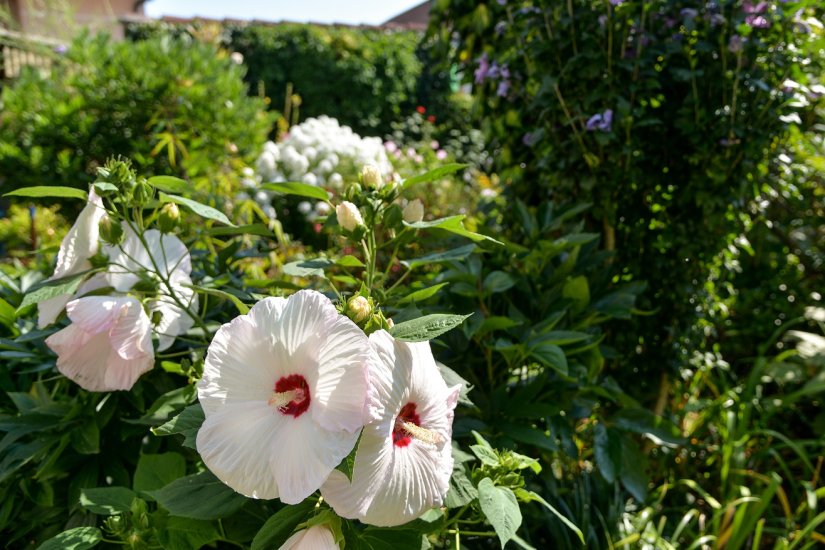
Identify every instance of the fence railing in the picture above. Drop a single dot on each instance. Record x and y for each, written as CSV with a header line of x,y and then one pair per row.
x,y
18,50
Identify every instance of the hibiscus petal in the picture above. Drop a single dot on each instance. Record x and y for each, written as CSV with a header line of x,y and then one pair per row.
x,y
131,334
317,537
306,316
174,320
94,314
81,358
162,253
238,444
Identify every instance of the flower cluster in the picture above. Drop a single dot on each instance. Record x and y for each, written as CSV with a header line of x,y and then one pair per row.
x,y
145,290
287,390
493,71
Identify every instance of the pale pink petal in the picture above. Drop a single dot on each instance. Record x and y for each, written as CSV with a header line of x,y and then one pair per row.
x,y
238,443
307,454
131,335
81,358
122,373
317,537
95,314
49,310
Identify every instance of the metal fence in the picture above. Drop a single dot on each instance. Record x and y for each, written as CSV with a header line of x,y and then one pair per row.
x,y
18,50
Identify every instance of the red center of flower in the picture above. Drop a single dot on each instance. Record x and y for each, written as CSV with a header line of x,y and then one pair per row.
x,y
400,436
297,385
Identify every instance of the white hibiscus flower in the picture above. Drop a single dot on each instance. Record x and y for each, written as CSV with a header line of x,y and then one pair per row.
x,y
164,254
284,390
79,244
317,537
107,346
404,459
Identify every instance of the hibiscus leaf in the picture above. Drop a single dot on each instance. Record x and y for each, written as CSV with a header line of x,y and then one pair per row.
x,y
453,224
199,496
500,506
187,423
423,294
528,496
427,327
462,491
107,501
56,287
242,308
157,471
451,255
432,175
185,533
376,538
49,191
308,268
198,208
298,189
79,538
165,405
170,184
280,526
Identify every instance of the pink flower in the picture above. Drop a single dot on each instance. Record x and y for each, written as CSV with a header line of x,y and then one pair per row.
x,y
108,345
317,537
404,459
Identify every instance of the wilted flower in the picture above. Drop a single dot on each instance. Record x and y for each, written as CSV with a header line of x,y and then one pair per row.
x,y
414,211
317,537
79,244
348,216
107,346
284,390
404,458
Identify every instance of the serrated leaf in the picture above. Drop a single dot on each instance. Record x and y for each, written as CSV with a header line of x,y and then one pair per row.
x,y
501,508
198,208
462,491
157,471
170,184
280,526
486,455
199,496
298,189
79,538
427,327
433,175
187,423
56,191
451,255
423,294
107,501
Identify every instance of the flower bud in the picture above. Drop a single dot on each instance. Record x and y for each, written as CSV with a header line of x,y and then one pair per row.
x,y
414,211
169,217
142,193
110,232
371,177
358,309
348,216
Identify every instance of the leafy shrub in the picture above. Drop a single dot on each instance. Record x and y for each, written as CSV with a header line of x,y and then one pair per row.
x,y
174,106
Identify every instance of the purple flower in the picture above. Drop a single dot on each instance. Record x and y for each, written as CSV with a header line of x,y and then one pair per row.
x,y
717,19
747,7
735,43
616,2
502,2
757,22
689,13
503,88
60,49
501,26
800,24
600,121
493,71
483,68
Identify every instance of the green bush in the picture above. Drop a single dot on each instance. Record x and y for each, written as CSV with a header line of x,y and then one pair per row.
x,y
664,115
174,106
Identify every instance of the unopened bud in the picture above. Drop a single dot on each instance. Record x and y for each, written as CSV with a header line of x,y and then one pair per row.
x,y
371,177
142,193
414,211
358,309
110,231
348,216
169,217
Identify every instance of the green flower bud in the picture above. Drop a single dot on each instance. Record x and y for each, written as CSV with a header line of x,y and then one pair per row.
x,y
142,193
371,177
358,309
110,232
169,217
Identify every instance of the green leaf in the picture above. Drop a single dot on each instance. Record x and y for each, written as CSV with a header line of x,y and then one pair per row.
x,y
187,423
462,491
349,261
308,268
170,184
79,538
168,403
633,475
427,327
107,501
280,526
199,496
157,471
455,225
423,294
49,191
485,454
298,189
498,281
563,337
501,508
55,287
451,255
550,355
86,438
103,187
375,538
242,308
7,313
528,496
258,229
200,209
187,534
608,451
578,290
642,421
433,175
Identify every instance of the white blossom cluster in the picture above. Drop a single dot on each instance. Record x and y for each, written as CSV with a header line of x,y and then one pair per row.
x,y
318,152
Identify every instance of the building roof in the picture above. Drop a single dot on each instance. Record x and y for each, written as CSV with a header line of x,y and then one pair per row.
x,y
417,17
